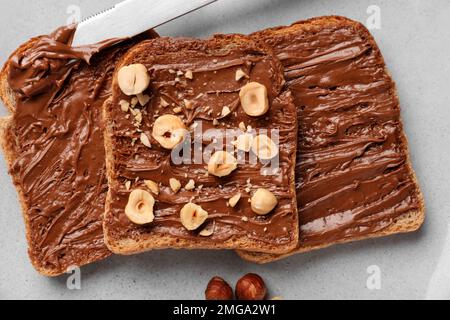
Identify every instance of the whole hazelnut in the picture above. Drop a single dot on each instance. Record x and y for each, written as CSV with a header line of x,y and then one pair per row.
x,y
251,287
218,289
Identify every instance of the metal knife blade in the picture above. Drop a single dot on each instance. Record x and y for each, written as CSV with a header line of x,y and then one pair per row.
x,y
132,17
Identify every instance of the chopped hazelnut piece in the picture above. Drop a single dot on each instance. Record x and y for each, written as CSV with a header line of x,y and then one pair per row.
x,y
152,186
189,104
264,147
226,111
143,99
244,142
134,101
190,185
208,230
177,110
242,126
145,140
128,185
240,74
124,105
175,185
234,200
164,103
189,75
133,112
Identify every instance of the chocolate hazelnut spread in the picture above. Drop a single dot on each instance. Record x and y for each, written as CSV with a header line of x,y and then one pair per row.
x,y
353,176
57,143
200,98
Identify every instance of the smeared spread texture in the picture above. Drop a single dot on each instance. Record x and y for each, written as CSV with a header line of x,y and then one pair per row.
x,y
54,145
213,64
353,175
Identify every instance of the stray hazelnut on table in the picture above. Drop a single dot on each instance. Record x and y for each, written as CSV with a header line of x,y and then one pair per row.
x,y
152,186
254,99
175,185
169,131
242,126
193,216
133,79
263,202
139,209
218,289
251,287
222,164
264,147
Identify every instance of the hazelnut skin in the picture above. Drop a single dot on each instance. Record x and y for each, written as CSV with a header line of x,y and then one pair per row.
x,y
251,287
218,289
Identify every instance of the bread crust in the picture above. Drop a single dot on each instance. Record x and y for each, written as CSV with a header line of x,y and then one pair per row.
x,y
408,222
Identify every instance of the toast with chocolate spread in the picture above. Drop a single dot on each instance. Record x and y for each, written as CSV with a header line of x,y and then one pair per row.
x,y
354,176
219,102
53,145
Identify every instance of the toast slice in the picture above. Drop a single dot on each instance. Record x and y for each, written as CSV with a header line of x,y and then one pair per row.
x,y
53,145
354,176
197,83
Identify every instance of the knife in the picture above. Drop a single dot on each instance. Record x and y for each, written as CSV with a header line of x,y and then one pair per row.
x,y
132,17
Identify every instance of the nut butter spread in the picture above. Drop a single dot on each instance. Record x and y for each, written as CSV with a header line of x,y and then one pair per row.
x,y
197,84
57,143
353,176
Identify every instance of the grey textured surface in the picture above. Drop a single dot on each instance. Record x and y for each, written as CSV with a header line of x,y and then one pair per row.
x,y
415,40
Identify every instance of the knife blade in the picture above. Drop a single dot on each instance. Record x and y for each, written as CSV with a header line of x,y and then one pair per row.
x,y
132,17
